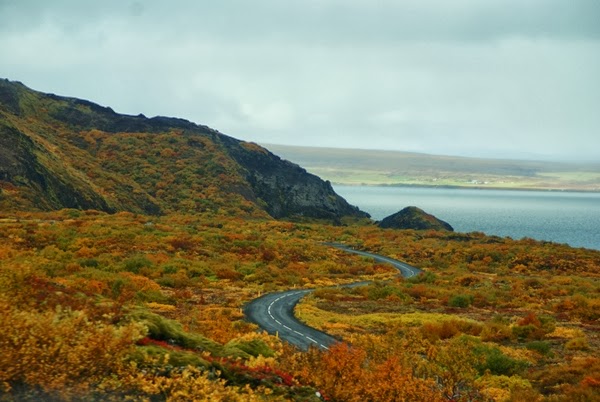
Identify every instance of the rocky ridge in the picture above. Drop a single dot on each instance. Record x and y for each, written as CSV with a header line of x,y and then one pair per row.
x,y
60,152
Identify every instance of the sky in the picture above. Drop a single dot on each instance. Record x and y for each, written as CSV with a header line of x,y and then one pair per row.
x,y
493,78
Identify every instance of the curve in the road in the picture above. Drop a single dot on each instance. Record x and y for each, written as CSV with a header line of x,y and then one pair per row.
x,y
274,312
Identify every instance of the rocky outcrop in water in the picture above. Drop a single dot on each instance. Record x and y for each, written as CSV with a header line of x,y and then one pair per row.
x,y
414,218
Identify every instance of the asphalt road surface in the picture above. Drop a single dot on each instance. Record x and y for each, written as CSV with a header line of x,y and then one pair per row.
x,y
274,312
406,270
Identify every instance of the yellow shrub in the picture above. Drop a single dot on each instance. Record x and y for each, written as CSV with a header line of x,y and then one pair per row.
x,y
60,352
192,385
160,307
580,343
566,333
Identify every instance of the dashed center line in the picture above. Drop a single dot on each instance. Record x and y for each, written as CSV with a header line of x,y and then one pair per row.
x,y
270,312
405,269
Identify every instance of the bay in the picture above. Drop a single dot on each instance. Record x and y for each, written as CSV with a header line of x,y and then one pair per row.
x,y
562,217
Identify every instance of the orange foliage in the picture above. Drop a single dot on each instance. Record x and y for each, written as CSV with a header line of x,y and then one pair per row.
x,y
347,373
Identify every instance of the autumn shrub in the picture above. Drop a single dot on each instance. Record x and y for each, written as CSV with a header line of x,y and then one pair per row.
x,y
579,343
496,332
542,347
440,330
221,324
347,373
134,264
59,354
578,305
152,296
533,327
228,273
470,327
182,243
570,374
468,280
423,277
548,323
167,281
169,269
177,280
507,388
379,291
461,301
527,332
454,365
330,294
420,291
498,363
190,384
89,262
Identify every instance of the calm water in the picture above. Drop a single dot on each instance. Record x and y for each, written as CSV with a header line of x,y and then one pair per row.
x,y
562,217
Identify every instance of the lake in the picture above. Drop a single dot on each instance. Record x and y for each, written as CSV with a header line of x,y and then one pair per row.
x,y
562,217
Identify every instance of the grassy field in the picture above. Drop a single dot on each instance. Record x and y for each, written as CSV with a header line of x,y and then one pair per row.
x,y
371,167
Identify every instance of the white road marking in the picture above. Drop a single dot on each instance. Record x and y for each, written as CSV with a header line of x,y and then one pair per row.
x,y
404,269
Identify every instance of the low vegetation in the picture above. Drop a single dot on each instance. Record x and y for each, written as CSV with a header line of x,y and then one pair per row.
x,y
120,306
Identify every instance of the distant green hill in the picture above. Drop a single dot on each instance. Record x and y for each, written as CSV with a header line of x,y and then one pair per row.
x,y
58,152
372,167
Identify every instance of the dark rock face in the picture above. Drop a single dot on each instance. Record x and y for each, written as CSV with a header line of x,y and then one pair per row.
x,y
414,218
9,97
286,188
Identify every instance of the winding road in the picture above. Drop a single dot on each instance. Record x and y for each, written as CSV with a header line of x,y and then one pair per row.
x,y
274,312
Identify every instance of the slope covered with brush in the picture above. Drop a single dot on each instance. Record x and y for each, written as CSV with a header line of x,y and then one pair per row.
x,y
58,152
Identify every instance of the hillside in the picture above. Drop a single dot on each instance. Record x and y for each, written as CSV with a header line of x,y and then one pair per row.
x,y
374,167
58,152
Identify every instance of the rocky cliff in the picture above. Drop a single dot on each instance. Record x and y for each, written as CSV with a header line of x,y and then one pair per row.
x,y
59,152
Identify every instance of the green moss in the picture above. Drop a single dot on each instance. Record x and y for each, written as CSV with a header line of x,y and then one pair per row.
x,y
163,329
144,354
254,347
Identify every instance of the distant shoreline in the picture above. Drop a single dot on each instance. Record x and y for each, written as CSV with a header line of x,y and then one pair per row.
x,y
448,186
404,169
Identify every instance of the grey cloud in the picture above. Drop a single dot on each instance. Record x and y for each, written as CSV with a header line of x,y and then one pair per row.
x,y
460,76
329,21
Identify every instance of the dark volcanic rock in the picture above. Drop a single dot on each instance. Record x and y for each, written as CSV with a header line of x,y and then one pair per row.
x,y
287,189
414,218
9,97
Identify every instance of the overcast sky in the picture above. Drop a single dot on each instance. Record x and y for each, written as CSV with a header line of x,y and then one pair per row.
x,y
516,78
